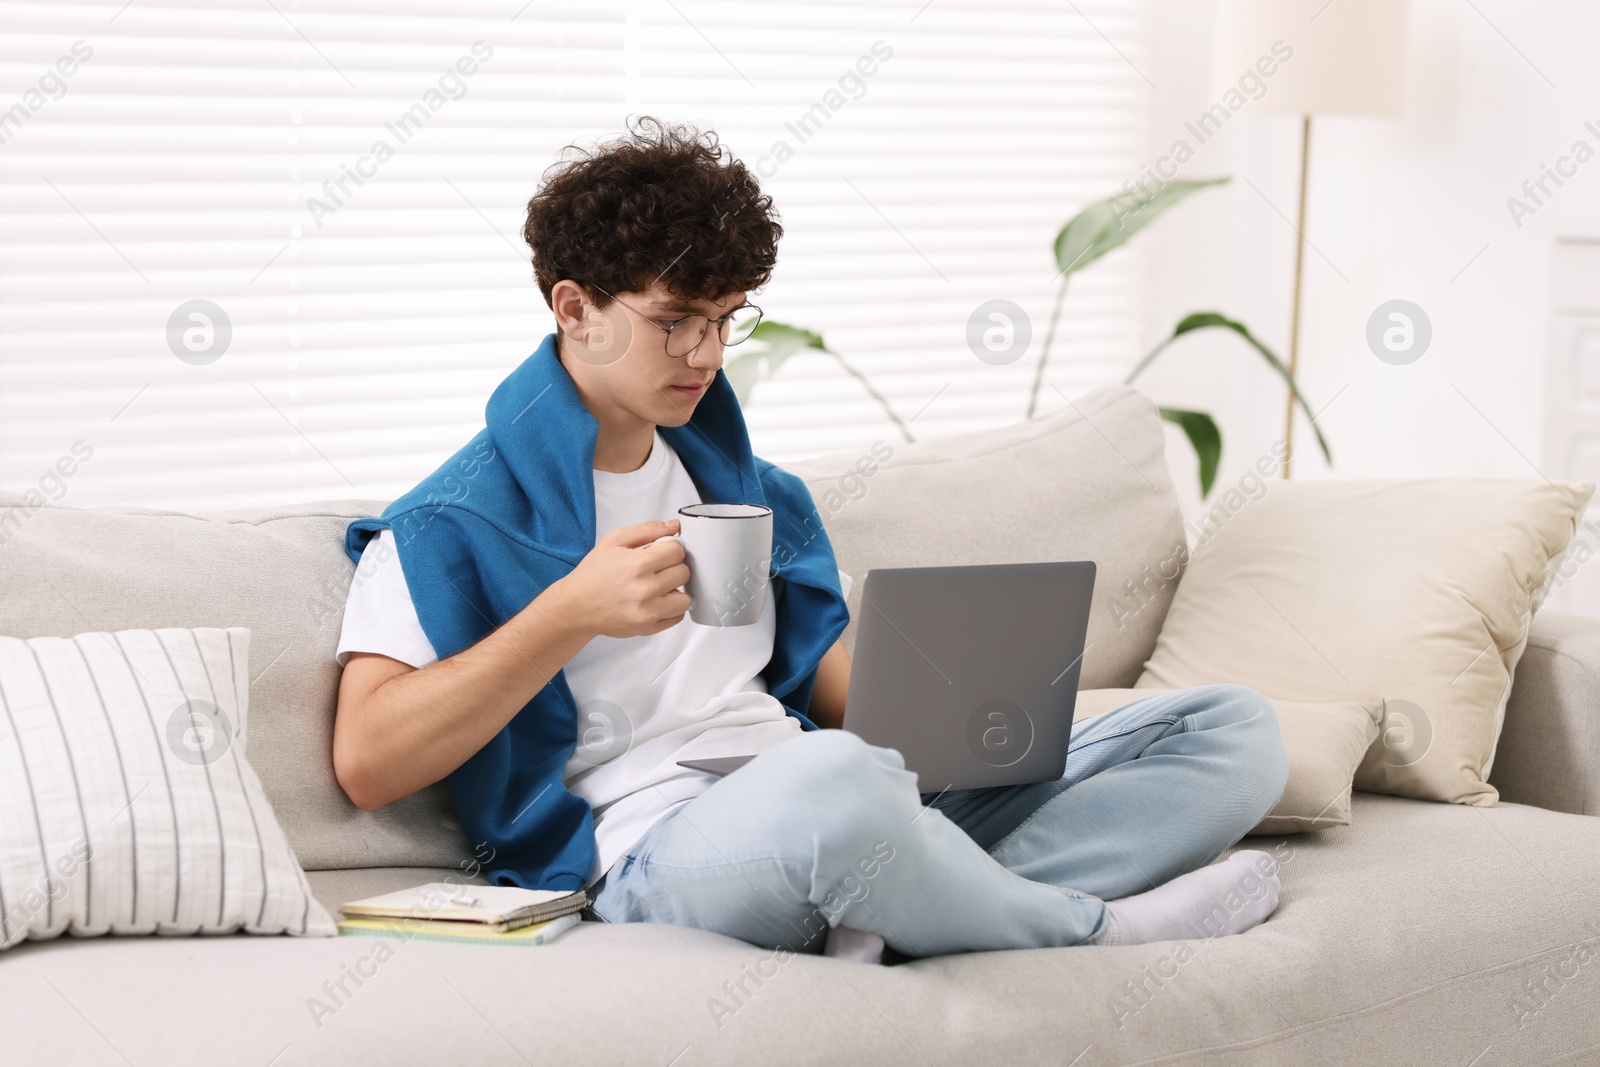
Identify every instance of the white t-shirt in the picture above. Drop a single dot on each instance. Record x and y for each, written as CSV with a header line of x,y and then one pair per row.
x,y
690,691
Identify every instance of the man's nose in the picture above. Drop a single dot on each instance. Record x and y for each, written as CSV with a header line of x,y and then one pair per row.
x,y
708,353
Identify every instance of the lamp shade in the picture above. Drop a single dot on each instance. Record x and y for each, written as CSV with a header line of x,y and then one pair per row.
x,y
1312,57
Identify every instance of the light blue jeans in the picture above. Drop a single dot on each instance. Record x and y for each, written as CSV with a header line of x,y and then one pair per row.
x,y
827,830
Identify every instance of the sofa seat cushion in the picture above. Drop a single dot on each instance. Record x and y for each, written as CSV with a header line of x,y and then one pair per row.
x,y
1421,934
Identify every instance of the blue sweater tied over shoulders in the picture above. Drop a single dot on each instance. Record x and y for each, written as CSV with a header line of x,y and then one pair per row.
x,y
512,512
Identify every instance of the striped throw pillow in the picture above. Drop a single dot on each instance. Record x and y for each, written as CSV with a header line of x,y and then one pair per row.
x,y
126,802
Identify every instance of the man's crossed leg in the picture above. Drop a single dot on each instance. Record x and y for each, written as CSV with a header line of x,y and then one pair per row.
x,y
827,831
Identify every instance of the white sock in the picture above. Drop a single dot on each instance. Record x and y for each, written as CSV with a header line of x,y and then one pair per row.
x,y
1225,898
846,942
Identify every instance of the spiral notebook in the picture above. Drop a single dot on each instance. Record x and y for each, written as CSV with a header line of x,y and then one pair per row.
x,y
462,932
473,911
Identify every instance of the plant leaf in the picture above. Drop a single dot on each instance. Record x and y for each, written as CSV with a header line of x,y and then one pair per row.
x,y
777,341
763,352
1110,223
1205,437
1201,320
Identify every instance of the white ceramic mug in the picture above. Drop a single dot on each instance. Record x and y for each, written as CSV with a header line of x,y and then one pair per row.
x,y
728,549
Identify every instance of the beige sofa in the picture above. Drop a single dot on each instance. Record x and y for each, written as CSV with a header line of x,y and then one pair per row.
x,y
1409,937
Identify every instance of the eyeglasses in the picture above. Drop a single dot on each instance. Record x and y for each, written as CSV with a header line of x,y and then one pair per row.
x,y
684,335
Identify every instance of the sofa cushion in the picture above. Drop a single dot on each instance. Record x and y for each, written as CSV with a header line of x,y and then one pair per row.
x,y
1087,482
1367,961
279,572
1418,592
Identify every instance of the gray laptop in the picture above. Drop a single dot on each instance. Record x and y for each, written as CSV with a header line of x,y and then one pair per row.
x,y
971,673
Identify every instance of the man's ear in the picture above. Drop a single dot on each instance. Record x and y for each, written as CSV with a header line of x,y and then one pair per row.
x,y
589,335
569,302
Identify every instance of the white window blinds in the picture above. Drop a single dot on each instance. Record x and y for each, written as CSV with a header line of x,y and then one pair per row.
x,y
264,251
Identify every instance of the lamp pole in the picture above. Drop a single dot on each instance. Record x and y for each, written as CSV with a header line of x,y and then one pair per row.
x,y
1316,59
1299,270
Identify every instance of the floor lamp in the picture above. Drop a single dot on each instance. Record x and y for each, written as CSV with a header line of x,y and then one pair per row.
x,y
1308,58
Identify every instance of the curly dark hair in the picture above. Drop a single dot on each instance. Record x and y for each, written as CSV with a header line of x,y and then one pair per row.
x,y
657,203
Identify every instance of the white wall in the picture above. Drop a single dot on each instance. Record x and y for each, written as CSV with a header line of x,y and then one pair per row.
x,y
1398,207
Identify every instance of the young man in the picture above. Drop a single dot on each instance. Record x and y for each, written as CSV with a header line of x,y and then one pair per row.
x,y
517,626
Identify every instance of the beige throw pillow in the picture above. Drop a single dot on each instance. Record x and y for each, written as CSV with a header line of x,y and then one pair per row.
x,y
1324,743
1415,592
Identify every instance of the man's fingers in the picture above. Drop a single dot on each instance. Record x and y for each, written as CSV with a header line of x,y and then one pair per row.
x,y
641,533
674,577
673,606
666,551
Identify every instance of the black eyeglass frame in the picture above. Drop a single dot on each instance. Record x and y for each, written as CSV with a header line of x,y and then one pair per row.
x,y
723,325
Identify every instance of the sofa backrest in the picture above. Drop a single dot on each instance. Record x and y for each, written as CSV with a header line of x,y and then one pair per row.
x,y
282,573
1089,483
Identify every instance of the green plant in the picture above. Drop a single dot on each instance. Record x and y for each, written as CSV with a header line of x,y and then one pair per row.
x,y
1099,228
760,356
1110,223
1199,427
